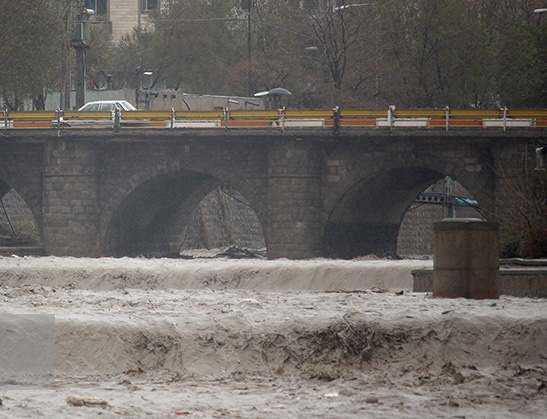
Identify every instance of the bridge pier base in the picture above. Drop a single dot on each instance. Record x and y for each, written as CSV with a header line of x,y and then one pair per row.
x,y
347,240
294,191
466,258
70,200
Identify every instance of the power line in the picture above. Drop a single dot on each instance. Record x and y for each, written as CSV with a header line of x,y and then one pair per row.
x,y
212,19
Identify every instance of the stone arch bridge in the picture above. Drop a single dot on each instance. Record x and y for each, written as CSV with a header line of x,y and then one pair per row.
x,y
115,193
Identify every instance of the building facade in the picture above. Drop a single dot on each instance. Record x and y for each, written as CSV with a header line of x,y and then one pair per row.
x,y
120,17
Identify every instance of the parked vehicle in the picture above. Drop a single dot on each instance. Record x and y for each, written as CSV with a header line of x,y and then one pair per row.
x,y
107,105
74,119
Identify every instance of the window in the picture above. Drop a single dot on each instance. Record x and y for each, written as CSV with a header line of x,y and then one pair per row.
x,y
90,107
99,6
147,5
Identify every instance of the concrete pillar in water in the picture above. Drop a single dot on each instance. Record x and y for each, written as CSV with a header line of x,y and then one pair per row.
x,y
466,259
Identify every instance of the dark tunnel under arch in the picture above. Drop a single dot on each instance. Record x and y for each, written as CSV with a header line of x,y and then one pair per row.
x,y
153,220
368,217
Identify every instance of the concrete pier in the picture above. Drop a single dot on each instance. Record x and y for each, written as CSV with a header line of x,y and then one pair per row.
x,y
466,259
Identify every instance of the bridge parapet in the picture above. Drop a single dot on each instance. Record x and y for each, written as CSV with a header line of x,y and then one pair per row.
x,y
282,119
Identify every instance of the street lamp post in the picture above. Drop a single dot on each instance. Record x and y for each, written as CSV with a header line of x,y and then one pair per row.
x,y
249,47
541,152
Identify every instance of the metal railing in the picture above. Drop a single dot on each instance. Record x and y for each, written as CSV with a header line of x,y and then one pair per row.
x,y
334,119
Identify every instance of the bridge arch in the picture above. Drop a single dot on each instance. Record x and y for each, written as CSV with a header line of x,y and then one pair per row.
x,y
365,216
152,218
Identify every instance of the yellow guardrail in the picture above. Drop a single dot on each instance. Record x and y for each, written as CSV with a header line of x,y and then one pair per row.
x,y
334,119
241,114
355,113
32,116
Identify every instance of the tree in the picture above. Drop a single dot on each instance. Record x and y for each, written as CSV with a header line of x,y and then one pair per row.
x,y
525,210
409,53
276,47
190,45
100,59
343,39
522,62
436,50
481,53
30,35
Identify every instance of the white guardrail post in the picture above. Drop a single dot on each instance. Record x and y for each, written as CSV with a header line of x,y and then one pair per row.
x,y
336,120
226,117
281,117
447,117
116,115
390,116
58,117
172,118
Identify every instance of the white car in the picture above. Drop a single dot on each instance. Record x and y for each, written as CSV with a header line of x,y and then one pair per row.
x,y
107,105
97,106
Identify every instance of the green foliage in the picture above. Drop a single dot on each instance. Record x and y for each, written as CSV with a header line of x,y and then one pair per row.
x,y
526,211
441,54
523,63
409,53
525,243
100,59
509,249
29,30
190,45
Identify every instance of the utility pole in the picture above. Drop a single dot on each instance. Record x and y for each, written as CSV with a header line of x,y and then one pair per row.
x,y
249,48
79,41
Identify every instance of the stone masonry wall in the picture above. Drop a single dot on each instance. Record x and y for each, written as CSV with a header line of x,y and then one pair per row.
x,y
61,180
221,219
416,231
70,199
294,201
16,215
